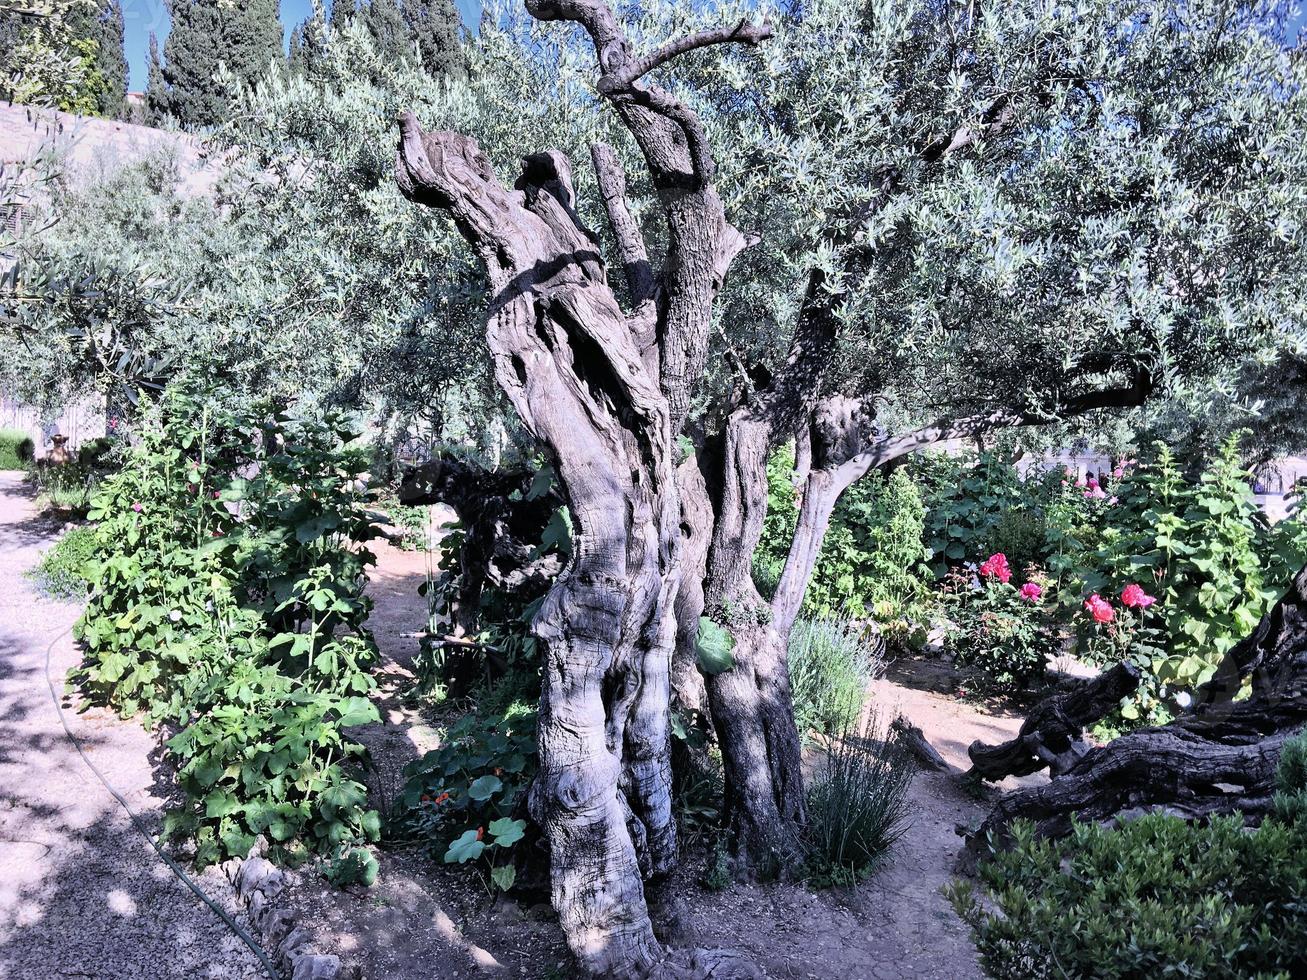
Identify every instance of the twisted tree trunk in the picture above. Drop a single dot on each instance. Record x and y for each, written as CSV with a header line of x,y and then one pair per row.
x,y
605,393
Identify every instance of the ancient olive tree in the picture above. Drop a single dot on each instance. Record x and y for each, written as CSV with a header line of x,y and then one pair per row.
x,y
967,219
971,219
605,390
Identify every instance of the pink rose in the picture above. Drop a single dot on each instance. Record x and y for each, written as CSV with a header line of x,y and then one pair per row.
x,y
996,566
1100,609
1032,592
1136,598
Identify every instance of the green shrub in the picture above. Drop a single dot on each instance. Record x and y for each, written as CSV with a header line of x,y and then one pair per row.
x,y
831,663
857,804
228,601
462,798
872,561
982,505
16,450
1291,781
1203,549
1156,898
63,571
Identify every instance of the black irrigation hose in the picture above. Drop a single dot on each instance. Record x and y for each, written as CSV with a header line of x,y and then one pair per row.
x,y
144,831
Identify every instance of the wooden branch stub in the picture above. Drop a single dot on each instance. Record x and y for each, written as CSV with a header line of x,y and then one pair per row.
x,y
1053,733
914,740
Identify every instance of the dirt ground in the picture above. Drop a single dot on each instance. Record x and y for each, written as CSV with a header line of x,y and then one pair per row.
x,y
81,892
424,919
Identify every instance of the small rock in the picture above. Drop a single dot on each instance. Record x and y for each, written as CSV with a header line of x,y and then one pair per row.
x,y
316,968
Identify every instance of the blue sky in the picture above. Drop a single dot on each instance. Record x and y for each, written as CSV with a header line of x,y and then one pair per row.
x,y
141,17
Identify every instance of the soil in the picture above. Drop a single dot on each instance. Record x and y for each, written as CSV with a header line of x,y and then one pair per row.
x,y
90,899
82,894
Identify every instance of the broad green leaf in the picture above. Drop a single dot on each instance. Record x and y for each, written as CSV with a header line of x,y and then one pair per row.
x,y
507,831
466,848
714,647
484,787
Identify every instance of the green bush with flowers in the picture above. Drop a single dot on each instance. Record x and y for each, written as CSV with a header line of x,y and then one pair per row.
x,y
226,604
997,629
1182,572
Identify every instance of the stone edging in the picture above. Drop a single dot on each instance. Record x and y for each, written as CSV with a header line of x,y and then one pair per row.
x,y
258,882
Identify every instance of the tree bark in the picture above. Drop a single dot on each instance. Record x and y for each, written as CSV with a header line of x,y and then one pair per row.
x,y
752,705
1053,733
752,708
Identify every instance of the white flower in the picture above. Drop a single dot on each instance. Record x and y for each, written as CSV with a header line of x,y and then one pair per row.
x,y
175,615
1183,699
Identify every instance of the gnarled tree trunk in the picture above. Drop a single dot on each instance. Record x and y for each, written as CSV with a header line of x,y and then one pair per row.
x,y
605,393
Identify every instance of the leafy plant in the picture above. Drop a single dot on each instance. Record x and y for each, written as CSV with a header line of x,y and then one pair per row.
x,y
1002,632
872,561
831,663
463,798
857,804
227,602
355,866
1290,802
1203,548
1156,897
16,449
62,571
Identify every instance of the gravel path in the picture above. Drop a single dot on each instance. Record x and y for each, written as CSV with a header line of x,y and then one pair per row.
x,y
81,893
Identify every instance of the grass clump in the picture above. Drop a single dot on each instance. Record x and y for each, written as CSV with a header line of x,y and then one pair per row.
x,y
857,805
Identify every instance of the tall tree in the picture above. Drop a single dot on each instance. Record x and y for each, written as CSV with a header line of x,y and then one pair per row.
x,y
111,58
156,88
296,57
439,31
102,23
970,220
342,12
390,31
244,35
605,391
49,56
251,37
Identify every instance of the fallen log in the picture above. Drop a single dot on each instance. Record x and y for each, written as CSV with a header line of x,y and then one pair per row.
x,y
1220,759
914,740
1053,733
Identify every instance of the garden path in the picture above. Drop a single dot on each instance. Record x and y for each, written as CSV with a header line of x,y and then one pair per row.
x,y
81,893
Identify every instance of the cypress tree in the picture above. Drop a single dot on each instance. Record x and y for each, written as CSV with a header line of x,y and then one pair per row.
x,y
439,32
390,31
157,102
245,35
107,30
342,12
251,36
296,62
